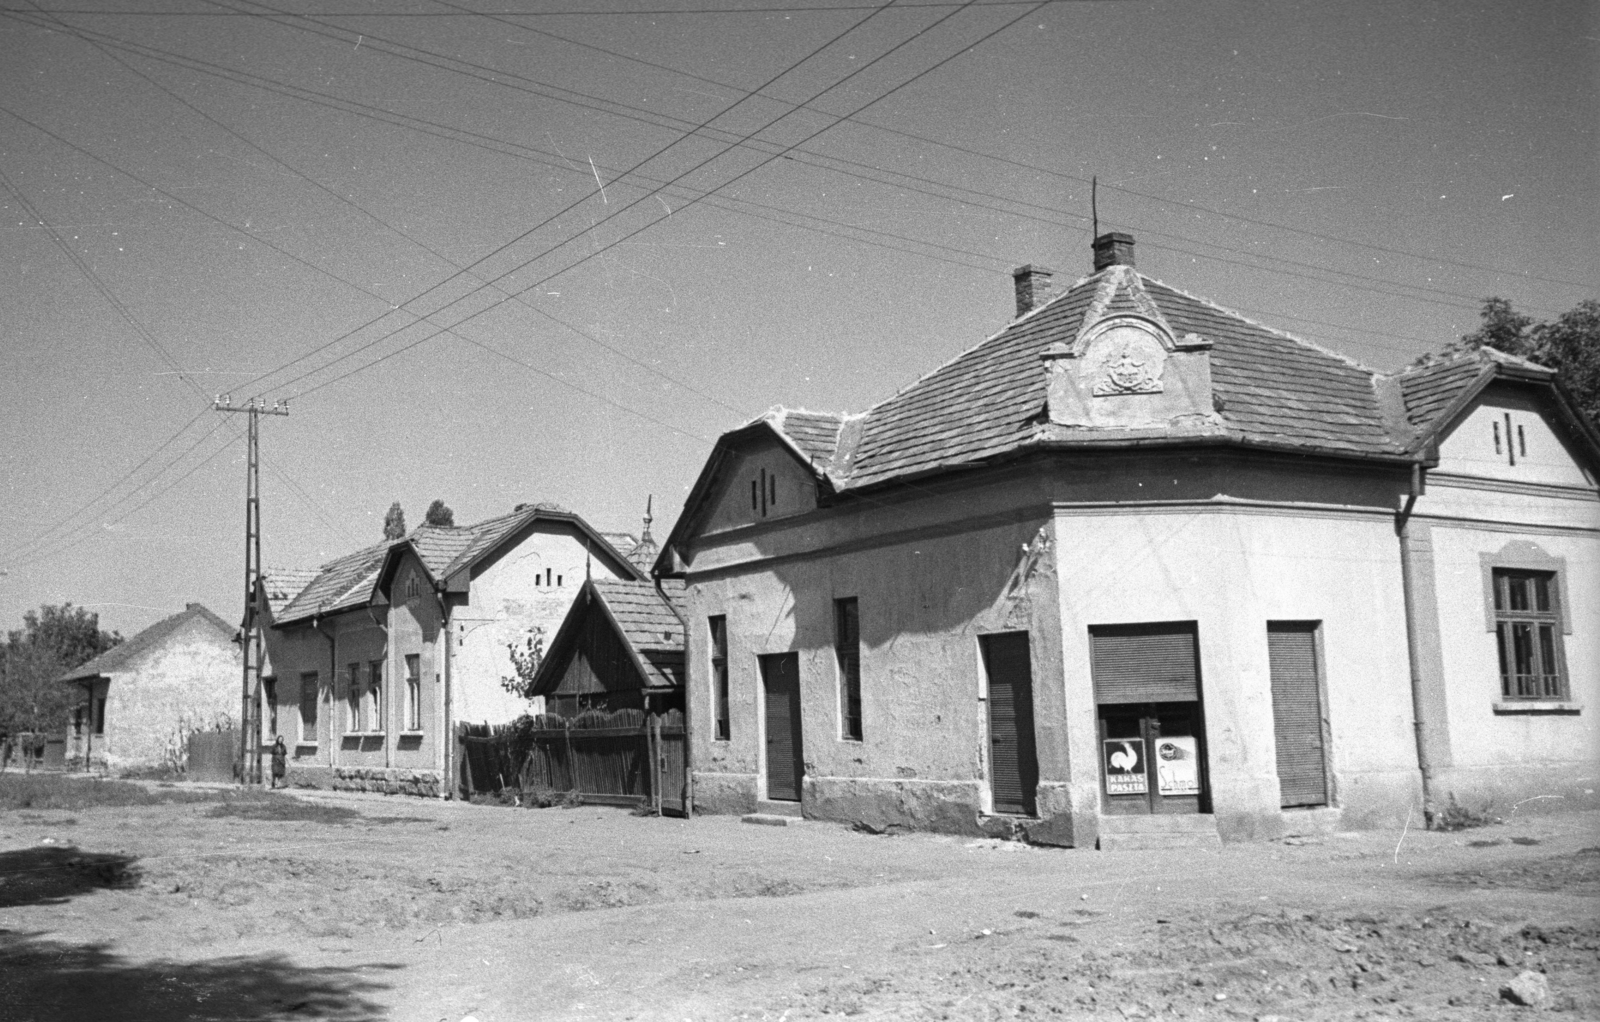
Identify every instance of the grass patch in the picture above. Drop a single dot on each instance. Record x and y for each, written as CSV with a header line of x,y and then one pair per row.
x,y
74,792
1455,816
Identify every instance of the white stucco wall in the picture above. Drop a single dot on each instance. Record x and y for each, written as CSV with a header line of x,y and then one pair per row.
x,y
509,597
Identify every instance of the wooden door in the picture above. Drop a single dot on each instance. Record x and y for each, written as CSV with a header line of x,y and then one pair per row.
x,y
780,679
1297,713
1013,758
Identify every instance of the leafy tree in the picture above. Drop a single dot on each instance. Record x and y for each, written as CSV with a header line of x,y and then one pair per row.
x,y
439,513
1569,344
394,523
53,639
525,662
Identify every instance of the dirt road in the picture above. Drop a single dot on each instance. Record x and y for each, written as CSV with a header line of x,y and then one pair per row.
x,y
358,907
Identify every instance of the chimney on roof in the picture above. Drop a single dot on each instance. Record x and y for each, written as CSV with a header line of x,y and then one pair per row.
x,y
1033,287
1113,249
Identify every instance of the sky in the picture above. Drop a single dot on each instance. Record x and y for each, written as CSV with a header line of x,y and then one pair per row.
x,y
492,251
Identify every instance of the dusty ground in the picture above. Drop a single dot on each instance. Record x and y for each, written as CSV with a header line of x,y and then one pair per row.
x,y
358,907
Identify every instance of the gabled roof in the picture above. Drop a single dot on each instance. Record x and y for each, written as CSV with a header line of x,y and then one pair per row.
x,y
1270,390
341,584
649,621
281,585
122,654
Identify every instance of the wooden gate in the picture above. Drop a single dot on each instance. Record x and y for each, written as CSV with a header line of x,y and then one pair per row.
x,y
621,758
213,756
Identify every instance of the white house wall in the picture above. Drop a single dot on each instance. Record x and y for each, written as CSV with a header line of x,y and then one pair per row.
x,y
509,600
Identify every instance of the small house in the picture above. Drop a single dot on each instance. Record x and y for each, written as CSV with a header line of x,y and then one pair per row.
x,y
141,698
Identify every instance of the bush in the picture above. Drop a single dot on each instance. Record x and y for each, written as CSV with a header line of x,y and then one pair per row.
x,y
1455,816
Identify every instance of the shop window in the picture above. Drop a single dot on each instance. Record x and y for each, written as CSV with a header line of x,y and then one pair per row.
x,y
847,651
308,706
1527,615
413,692
719,677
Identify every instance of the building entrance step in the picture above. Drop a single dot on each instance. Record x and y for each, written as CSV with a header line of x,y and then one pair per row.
x,y
1130,833
774,807
771,820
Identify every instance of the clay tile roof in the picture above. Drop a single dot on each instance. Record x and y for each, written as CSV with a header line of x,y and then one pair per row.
x,y
284,584
438,545
1270,388
342,583
815,434
648,620
623,541
1430,388
650,625
118,656
485,535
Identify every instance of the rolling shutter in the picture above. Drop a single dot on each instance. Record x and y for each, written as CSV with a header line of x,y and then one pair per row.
x,y
1297,714
1146,664
1013,758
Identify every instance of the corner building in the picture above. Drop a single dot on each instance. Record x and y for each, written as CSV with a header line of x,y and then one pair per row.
x,y
1137,565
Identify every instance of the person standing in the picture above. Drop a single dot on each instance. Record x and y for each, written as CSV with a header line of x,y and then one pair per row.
x,y
280,762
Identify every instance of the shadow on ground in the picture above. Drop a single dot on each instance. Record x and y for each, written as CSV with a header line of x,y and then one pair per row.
x,y
51,874
48,981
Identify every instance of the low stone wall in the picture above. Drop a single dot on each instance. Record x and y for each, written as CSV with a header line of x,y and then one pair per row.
x,y
390,780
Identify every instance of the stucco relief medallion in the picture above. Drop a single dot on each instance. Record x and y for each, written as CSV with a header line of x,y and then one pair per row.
x,y
1124,359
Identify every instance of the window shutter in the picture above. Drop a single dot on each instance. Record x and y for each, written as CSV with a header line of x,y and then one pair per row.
x,y
1146,664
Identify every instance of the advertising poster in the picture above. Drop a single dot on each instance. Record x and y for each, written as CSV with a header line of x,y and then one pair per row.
x,y
1178,765
1124,766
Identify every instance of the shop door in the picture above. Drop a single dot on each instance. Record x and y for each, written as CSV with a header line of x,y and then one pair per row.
x,y
1297,713
1013,759
1152,729
780,680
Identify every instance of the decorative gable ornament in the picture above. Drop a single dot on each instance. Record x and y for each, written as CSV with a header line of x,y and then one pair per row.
x,y
1127,369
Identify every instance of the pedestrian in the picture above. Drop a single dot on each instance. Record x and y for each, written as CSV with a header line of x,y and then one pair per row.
x,y
280,761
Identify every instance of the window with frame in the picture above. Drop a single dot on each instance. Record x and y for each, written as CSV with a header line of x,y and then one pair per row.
x,y
269,688
413,692
719,677
352,697
1528,632
847,651
100,715
375,695
308,706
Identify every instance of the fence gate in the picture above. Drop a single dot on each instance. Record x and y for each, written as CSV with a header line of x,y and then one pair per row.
x,y
213,756
620,758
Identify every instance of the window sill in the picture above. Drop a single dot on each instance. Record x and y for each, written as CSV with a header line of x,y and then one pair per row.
x,y
415,732
1548,706
365,734
305,746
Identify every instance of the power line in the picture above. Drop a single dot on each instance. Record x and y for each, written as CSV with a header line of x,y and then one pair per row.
x,y
568,13
1333,275
502,248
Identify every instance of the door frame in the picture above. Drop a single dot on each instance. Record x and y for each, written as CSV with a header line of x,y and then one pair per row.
x,y
987,693
1329,781
797,730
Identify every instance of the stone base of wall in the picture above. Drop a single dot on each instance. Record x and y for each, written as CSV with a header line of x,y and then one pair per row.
x,y
1518,789
1370,800
716,794
388,780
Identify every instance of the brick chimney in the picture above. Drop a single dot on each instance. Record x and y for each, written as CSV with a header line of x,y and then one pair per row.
x,y
1113,249
1033,287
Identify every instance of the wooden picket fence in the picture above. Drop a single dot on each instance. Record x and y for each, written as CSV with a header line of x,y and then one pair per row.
x,y
624,757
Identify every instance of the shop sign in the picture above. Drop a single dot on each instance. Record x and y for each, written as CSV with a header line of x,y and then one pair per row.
x,y
1124,766
1178,765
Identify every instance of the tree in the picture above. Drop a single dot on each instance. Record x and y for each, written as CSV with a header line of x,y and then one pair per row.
x,y
1569,344
53,640
439,513
525,662
394,523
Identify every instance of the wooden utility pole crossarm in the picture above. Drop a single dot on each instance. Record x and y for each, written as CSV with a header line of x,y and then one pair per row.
x,y
250,643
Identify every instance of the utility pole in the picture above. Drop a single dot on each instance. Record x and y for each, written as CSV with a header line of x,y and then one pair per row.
x,y
250,633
